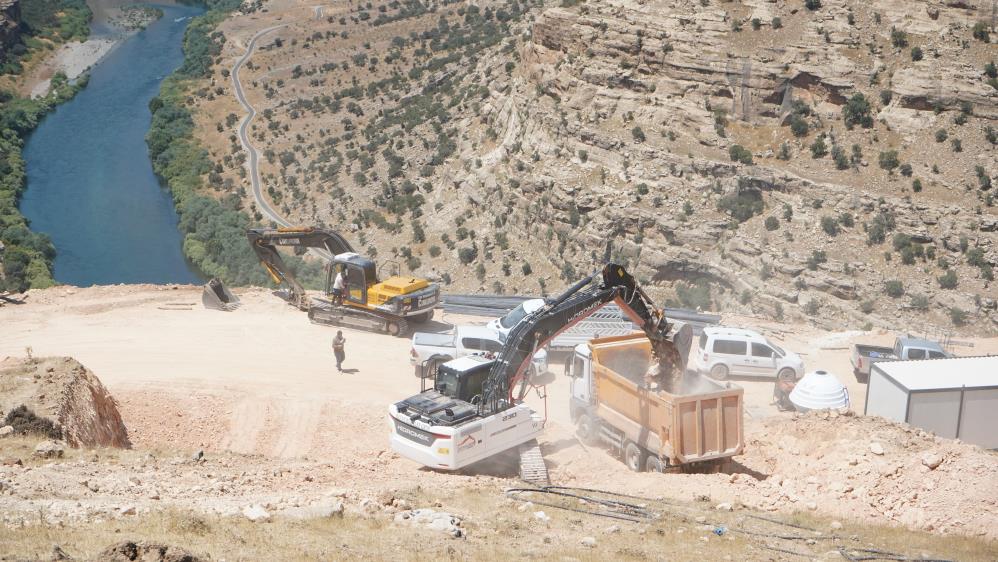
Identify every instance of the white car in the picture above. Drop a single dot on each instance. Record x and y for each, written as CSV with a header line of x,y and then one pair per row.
x,y
466,340
503,325
724,352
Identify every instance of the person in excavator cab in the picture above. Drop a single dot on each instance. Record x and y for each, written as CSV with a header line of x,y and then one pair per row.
x,y
339,285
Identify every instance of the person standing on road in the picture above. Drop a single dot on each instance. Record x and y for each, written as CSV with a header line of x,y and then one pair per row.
x,y
339,343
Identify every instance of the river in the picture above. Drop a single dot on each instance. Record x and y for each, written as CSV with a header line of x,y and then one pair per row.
x,y
90,182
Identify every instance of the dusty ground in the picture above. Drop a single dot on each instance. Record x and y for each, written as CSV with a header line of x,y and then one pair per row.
x,y
257,391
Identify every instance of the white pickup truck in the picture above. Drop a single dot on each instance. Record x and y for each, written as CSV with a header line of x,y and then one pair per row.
x,y
430,349
905,349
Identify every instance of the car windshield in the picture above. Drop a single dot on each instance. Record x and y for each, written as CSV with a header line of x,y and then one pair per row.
x,y
776,348
513,318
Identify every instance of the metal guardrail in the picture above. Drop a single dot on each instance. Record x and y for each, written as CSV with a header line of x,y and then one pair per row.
x,y
607,321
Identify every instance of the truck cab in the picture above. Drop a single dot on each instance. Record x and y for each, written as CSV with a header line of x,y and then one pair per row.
x,y
909,349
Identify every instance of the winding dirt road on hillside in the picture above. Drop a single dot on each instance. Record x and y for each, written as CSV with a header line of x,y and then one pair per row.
x,y
254,158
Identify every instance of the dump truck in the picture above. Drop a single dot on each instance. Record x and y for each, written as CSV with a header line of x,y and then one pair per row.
x,y
697,424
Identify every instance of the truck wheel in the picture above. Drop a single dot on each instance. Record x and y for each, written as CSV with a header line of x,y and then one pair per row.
x,y
394,328
653,464
786,375
719,372
585,428
634,457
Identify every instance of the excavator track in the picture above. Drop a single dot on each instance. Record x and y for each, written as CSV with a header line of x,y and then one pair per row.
x,y
533,469
331,315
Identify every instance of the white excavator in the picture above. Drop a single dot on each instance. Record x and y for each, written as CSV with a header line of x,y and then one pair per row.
x,y
475,409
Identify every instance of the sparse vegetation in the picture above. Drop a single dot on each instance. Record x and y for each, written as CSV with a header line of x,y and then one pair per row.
x,y
856,111
888,160
742,205
829,225
695,296
894,288
948,280
739,153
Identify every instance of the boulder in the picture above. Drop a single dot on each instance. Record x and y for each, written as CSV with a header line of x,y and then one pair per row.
x,y
932,460
49,450
426,518
6,430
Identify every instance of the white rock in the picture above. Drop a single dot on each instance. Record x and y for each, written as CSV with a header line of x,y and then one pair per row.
x,y
541,516
588,542
49,449
432,520
321,510
932,460
6,430
724,507
256,513
876,448
836,525
127,510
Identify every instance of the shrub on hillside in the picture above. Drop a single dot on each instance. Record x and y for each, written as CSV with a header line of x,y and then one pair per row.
x,y
948,280
894,288
742,205
856,111
739,153
26,422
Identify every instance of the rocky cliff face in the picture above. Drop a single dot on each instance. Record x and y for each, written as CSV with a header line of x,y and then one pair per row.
x,y
10,21
834,164
66,392
661,124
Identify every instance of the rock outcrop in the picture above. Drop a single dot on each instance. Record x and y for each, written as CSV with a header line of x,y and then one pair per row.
x,y
64,391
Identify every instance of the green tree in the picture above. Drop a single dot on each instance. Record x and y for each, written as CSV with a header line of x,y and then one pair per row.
x,y
856,111
888,160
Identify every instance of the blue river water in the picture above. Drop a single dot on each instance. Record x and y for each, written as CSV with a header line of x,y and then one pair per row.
x,y
90,182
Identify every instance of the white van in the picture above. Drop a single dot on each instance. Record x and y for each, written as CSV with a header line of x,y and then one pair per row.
x,y
724,352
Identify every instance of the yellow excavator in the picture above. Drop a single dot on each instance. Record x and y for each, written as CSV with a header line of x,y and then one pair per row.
x,y
365,302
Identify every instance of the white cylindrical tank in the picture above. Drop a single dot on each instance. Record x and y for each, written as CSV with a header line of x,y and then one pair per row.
x,y
819,390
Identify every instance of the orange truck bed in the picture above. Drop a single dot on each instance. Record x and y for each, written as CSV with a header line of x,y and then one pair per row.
x,y
701,422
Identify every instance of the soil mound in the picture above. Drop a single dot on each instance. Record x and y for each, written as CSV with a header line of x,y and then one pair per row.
x,y
62,390
146,552
868,467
